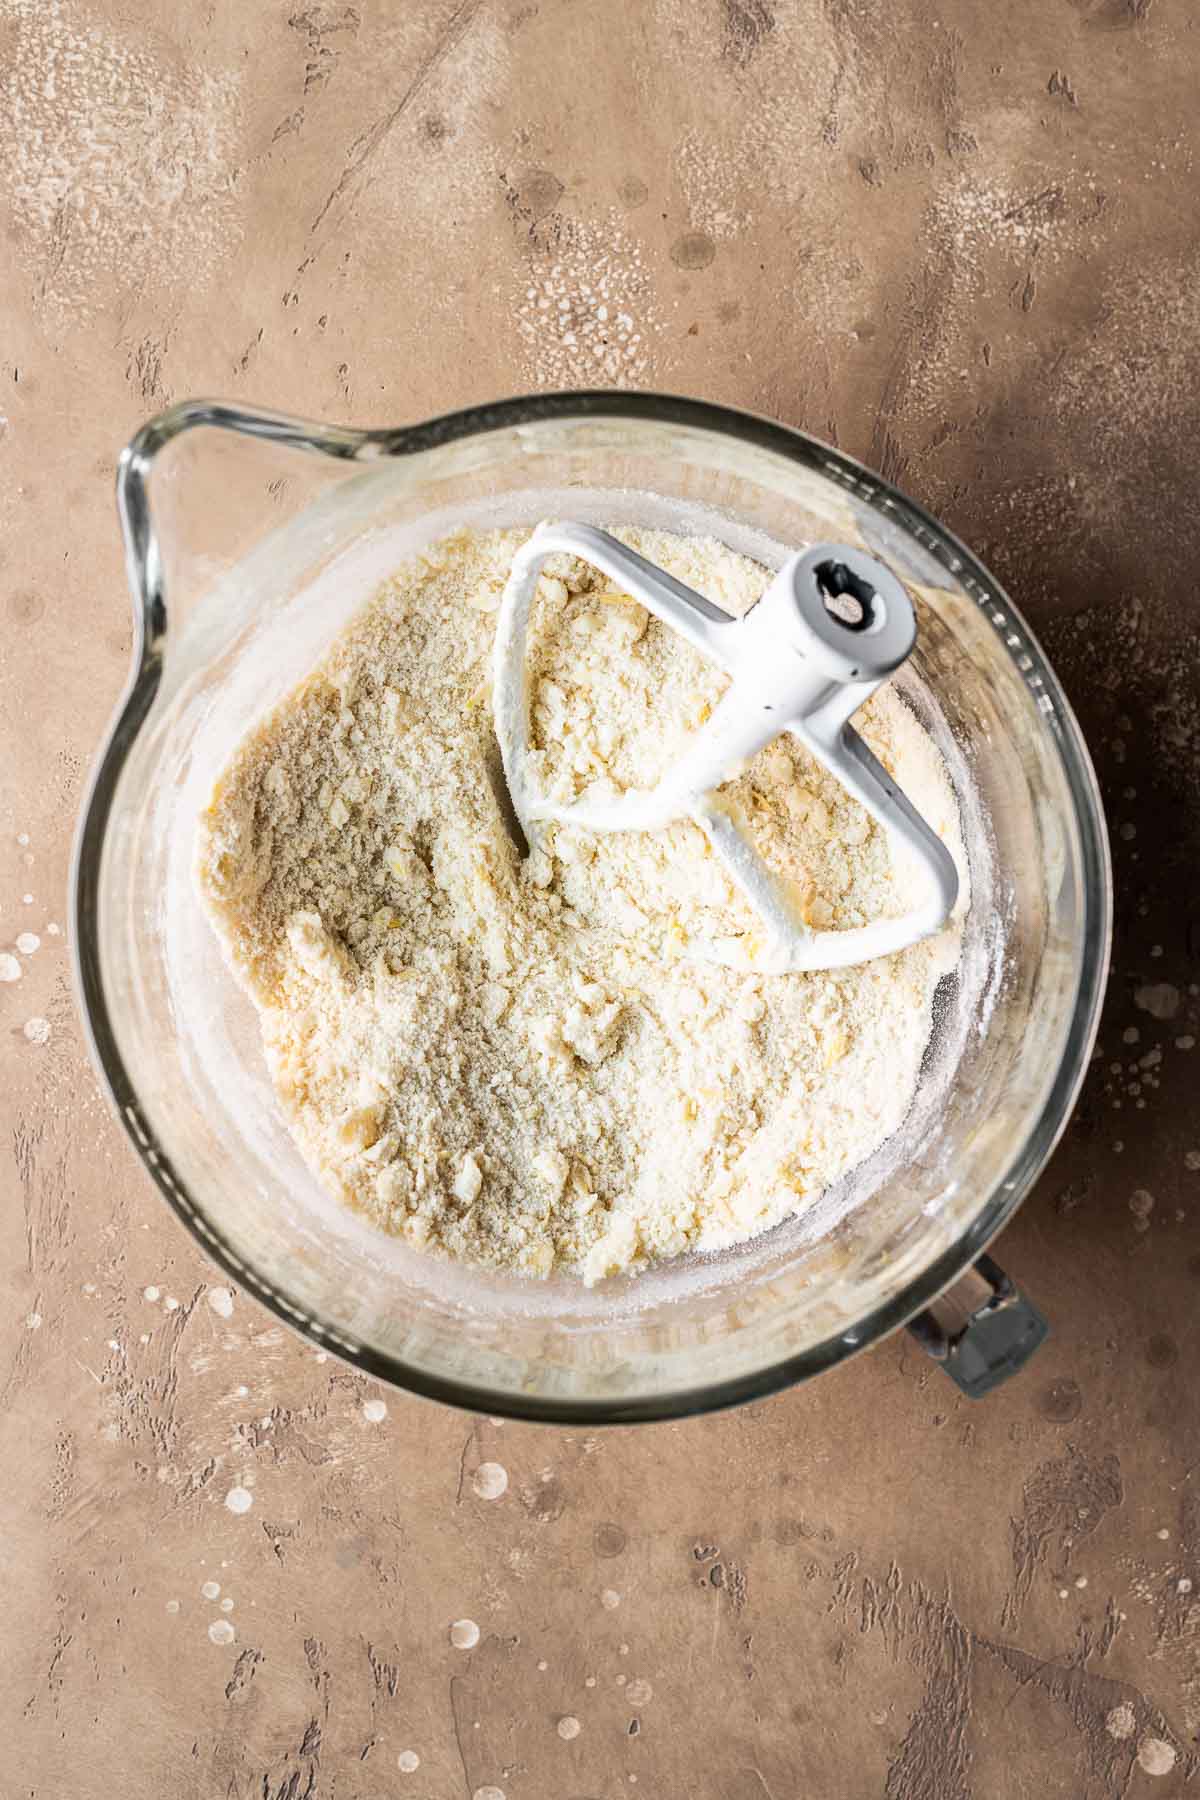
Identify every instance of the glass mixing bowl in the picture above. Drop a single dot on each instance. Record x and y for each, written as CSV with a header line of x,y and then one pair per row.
x,y
250,540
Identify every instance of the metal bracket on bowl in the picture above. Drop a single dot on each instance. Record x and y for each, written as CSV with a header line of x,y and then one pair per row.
x,y
981,1330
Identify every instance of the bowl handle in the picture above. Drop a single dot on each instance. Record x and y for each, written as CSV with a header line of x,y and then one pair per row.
x,y
981,1330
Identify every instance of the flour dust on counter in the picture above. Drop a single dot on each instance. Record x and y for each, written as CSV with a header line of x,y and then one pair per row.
x,y
531,1062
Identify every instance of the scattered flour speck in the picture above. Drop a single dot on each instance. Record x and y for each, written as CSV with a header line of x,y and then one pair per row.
x,y
610,1599
408,1762
221,1301
37,1031
1158,998
491,1480
150,1293
239,1499
221,1632
1155,1756
10,968
28,942
211,1590
374,1411
464,1634
569,1727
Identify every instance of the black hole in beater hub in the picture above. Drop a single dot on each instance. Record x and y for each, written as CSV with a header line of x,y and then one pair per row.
x,y
849,598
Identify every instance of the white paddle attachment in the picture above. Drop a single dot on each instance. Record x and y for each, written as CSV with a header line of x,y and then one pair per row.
x,y
832,626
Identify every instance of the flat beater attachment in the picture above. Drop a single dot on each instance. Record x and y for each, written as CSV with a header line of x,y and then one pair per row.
x,y
831,627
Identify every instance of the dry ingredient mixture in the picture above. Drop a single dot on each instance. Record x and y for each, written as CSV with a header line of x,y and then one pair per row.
x,y
525,1061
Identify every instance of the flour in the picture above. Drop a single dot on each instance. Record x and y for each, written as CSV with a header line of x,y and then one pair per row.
x,y
527,1062
112,157
588,316
803,88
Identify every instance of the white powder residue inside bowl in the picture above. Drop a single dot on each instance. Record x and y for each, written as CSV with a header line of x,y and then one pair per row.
x,y
524,1062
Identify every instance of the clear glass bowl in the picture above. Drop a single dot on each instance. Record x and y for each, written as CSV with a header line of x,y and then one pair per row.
x,y
264,535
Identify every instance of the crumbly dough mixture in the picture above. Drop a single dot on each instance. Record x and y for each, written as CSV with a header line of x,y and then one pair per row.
x,y
525,1062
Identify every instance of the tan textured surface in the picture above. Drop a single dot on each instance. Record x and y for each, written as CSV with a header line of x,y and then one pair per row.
x,y
963,243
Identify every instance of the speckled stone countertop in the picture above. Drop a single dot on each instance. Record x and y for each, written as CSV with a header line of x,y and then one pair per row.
x,y
959,240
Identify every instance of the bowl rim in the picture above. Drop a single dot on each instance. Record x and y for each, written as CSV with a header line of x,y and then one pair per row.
x,y
144,571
